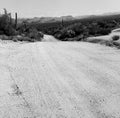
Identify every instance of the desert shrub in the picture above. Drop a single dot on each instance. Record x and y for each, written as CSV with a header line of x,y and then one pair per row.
x,y
66,33
35,34
115,37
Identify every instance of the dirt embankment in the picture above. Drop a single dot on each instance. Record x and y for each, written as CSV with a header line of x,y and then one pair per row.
x,y
104,40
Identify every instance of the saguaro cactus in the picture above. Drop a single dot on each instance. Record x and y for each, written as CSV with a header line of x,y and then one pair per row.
x,y
10,18
15,20
5,11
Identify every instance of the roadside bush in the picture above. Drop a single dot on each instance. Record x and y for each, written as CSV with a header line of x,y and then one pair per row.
x,y
34,34
66,33
115,38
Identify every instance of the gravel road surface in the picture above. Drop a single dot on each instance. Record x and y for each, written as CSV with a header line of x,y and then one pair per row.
x,y
59,80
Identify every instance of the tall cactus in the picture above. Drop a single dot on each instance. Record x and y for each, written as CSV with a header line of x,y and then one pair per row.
x,y
5,11
15,20
10,18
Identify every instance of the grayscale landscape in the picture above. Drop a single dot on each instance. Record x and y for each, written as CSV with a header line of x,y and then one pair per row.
x,y
60,59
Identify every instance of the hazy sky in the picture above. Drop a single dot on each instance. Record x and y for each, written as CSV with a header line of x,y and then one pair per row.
x,y
38,8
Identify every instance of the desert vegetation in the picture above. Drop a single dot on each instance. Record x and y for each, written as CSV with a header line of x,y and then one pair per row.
x,y
79,29
9,29
71,30
6,24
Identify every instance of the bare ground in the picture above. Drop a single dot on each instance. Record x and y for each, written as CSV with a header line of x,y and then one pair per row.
x,y
59,80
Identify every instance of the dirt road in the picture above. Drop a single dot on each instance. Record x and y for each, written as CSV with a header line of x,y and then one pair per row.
x,y
59,80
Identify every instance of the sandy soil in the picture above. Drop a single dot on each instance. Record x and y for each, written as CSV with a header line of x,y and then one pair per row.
x,y
59,80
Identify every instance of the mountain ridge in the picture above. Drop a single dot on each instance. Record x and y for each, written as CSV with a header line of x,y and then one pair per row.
x,y
64,18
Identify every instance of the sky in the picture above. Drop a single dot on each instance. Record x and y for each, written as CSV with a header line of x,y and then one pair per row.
x,y
46,8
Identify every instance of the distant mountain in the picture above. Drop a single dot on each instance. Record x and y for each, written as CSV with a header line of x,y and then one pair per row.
x,y
111,13
46,19
64,18
85,16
